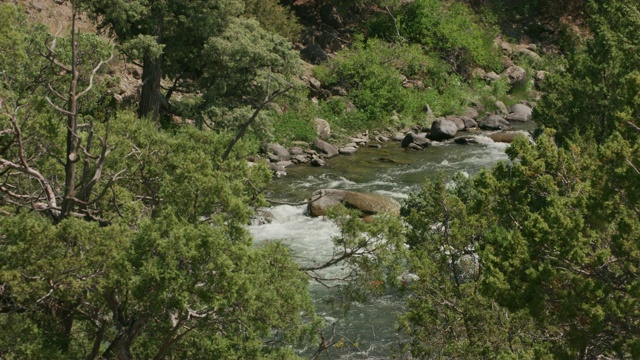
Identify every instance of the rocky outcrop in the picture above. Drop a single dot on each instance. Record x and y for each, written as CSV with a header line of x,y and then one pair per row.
x,y
324,199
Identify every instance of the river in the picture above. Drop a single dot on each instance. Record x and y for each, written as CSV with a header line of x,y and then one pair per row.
x,y
368,329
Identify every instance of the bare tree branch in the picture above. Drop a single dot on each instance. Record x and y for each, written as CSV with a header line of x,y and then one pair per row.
x,y
58,108
93,74
268,98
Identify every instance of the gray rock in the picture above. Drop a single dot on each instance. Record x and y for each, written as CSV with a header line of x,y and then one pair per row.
x,y
502,108
261,217
316,161
471,113
314,54
494,122
456,120
323,129
427,109
520,112
414,146
301,159
280,151
296,150
284,163
491,76
359,141
315,83
327,149
418,139
348,150
465,140
516,74
323,200
398,136
377,146
278,170
273,158
469,123
540,76
382,138
479,73
443,129
529,53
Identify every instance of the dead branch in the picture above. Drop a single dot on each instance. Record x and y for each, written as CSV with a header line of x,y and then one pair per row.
x,y
93,74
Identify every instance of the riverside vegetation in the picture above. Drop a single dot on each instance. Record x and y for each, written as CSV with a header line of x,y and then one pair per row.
x,y
122,223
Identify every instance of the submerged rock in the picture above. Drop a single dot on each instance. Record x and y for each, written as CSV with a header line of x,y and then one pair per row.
x,y
324,199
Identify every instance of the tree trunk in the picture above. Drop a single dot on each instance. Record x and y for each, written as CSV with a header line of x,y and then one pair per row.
x,y
72,126
151,99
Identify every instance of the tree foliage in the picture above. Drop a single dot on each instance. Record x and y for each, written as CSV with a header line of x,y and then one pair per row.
x,y
554,231
150,258
173,40
598,82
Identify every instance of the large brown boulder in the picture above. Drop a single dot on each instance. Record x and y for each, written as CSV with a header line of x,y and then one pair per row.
x,y
324,199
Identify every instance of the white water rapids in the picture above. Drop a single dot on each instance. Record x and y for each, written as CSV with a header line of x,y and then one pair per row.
x,y
368,329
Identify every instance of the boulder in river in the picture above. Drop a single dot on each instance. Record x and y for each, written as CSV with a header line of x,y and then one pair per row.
x,y
327,149
508,136
348,150
418,139
466,140
324,199
443,129
316,161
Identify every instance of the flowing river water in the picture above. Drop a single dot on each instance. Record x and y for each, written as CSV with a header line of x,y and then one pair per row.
x,y
368,329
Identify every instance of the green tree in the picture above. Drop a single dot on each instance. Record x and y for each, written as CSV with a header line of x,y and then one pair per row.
x,y
586,98
151,260
566,243
448,315
170,39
